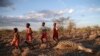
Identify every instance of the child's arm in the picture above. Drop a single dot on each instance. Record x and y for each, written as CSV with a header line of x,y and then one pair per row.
x,y
31,30
14,38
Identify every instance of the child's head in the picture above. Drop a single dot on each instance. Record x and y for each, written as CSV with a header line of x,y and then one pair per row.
x,y
28,25
15,30
43,23
54,24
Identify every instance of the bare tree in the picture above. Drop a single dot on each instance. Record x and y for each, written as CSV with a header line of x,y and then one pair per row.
x,y
61,22
71,25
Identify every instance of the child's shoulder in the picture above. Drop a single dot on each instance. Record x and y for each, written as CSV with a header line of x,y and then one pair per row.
x,y
16,33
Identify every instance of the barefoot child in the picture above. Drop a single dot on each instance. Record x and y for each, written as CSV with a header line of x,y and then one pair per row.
x,y
44,32
15,41
55,32
28,33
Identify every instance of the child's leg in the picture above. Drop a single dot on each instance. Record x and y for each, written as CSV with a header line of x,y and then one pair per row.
x,y
17,44
30,39
45,36
57,36
42,39
54,37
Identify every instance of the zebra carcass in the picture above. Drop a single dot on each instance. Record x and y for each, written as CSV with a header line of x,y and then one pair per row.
x,y
69,46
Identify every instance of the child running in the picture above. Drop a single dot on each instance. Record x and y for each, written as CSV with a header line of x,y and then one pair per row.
x,y
44,32
15,40
28,33
55,32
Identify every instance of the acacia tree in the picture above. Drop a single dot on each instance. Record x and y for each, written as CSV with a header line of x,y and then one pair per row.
x,y
71,25
61,22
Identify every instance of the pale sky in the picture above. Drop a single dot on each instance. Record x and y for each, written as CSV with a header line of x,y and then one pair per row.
x,y
16,13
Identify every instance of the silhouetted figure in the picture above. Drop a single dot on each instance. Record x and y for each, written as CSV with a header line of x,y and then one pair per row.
x,y
16,39
44,32
55,32
28,33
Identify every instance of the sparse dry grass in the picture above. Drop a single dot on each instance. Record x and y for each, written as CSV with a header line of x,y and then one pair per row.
x,y
67,44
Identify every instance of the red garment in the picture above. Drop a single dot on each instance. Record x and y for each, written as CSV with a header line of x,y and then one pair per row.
x,y
55,33
29,35
44,36
15,41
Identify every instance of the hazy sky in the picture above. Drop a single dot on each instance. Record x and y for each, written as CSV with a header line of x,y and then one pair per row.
x,y
16,13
